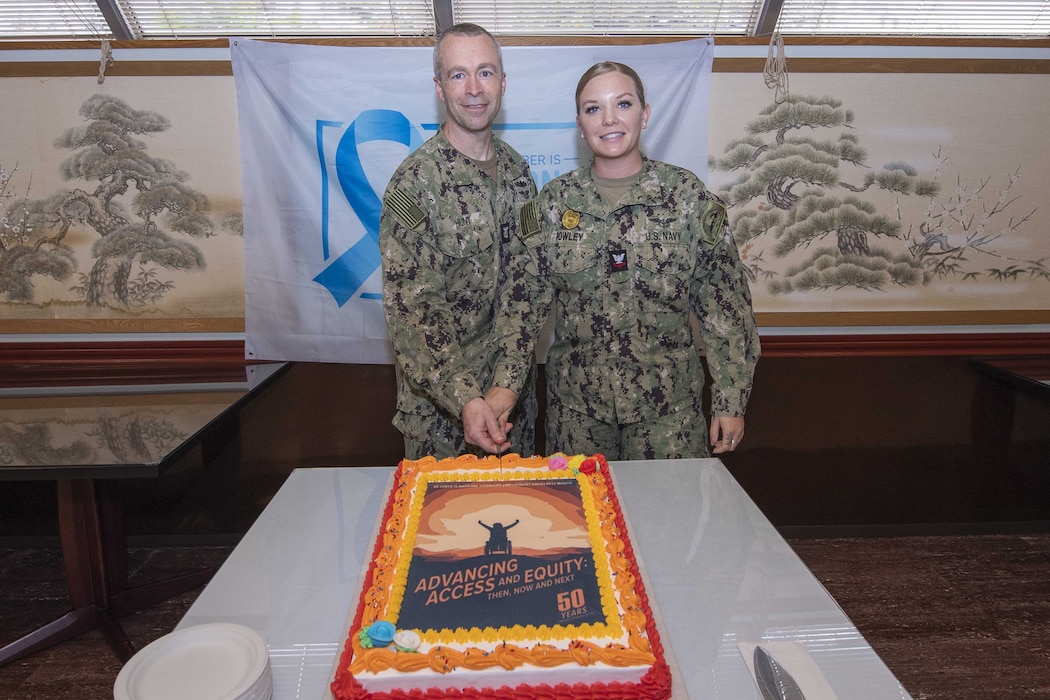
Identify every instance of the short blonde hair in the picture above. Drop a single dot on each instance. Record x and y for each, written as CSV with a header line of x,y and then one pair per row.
x,y
609,67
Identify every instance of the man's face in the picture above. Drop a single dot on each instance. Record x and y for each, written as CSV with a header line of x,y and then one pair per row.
x,y
471,83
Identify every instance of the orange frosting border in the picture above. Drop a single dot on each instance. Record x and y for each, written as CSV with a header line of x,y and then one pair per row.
x,y
394,544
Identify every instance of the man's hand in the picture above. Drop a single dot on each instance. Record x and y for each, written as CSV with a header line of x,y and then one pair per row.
x,y
483,427
726,433
501,401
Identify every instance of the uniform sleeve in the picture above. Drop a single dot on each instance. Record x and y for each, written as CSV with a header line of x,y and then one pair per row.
x,y
524,306
419,318
722,303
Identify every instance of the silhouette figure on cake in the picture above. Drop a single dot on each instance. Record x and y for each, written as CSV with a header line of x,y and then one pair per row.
x,y
498,542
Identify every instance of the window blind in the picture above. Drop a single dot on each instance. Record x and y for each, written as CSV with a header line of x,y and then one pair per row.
x,y
149,19
197,18
1013,18
39,19
610,17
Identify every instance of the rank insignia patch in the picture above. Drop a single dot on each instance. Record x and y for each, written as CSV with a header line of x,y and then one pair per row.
x,y
617,260
406,210
570,219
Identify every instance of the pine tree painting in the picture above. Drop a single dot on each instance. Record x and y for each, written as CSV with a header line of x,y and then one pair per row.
x,y
804,193
139,206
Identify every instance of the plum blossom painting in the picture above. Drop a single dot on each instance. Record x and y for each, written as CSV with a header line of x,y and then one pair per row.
x,y
889,193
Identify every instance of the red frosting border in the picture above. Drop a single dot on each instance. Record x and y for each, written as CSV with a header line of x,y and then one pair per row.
x,y
655,684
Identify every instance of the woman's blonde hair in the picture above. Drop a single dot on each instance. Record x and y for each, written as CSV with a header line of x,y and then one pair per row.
x,y
609,67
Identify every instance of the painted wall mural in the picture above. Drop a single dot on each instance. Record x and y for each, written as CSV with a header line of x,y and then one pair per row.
x,y
107,155
797,178
889,193
867,194
104,213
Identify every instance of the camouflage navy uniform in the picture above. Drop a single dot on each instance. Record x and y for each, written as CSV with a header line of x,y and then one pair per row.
x,y
623,375
445,236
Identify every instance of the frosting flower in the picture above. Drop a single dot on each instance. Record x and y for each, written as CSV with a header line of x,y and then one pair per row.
x,y
588,466
557,462
575,461
407,640
381,633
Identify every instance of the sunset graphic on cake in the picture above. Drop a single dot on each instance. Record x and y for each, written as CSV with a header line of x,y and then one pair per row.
x,y
489,554
548,515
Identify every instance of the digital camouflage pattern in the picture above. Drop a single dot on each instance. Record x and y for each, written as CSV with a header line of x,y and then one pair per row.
x,y
676,435
447,235
623,280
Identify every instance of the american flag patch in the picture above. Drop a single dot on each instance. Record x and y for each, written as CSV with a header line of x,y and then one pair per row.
x,y
529,220
406,210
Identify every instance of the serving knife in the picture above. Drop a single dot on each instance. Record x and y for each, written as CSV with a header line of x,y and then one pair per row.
x,y
774,682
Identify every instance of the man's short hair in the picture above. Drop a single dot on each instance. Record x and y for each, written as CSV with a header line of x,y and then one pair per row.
x,y
463,29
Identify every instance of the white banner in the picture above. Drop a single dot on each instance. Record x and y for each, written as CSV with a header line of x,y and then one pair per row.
x,y
322,129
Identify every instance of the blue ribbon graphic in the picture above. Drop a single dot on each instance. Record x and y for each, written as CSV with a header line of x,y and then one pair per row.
x,y
347,273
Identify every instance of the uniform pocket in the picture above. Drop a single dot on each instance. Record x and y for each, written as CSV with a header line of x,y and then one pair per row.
x,y
465,236
571,259
663,277
663,259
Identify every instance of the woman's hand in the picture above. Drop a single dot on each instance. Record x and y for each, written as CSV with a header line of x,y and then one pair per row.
x,y
726,433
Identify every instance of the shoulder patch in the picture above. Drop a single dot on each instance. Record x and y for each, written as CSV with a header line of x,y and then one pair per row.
x,y
712,220
405,209
529,220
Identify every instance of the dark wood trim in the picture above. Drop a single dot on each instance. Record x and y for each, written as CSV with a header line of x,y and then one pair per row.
x,y
54,364
73,326
80,69
940,318
972,66
534,40
222,67
906,345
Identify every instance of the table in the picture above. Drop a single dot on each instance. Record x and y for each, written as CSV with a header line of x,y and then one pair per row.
x,y
82,436
720,574
995,400
1032,373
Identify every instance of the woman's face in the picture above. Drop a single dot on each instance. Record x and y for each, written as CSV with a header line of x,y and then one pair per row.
x,y
611,117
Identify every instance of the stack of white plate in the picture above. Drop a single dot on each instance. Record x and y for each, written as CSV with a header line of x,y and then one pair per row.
x,y
217,661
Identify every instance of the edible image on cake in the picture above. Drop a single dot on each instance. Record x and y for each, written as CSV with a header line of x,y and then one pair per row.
x,y
501,553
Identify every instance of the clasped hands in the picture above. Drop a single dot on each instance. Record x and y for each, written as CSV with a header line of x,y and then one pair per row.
x,y
485,420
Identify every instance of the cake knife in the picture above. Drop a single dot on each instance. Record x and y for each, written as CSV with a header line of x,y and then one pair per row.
x,y
774,682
